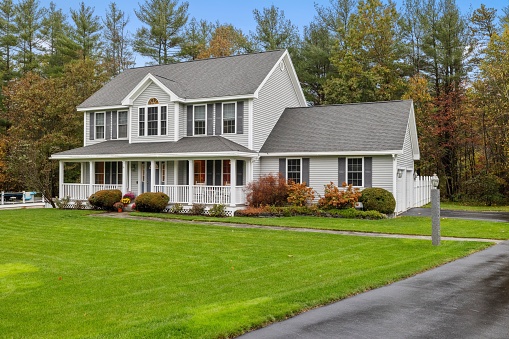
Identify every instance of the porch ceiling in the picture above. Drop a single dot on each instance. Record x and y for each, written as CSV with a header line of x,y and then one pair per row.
x,y
185,147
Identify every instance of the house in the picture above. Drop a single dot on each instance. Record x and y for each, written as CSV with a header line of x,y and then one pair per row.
x,y
200,130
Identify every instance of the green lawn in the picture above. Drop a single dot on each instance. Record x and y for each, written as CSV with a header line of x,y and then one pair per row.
x,y
399,225
64,274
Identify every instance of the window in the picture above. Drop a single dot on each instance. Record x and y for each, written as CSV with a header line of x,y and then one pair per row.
x,y
153,101
141,119
152,120
227,177
108,173
99,125
354,172
199,120
293,170
229,118
199,171
163,120
122,124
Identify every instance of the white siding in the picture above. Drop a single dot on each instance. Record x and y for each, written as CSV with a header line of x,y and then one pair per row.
x,y
182,121
152,91
268,165
275,95
240,139
382,172
322,170
406,160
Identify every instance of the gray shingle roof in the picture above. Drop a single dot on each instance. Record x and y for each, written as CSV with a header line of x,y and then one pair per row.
x,y
207,78
184,146
366,127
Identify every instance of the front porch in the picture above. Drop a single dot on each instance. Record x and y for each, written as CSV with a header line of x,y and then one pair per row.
x,y
213,181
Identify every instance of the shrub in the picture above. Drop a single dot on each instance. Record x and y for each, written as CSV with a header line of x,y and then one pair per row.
x,y
217,210
300,194
267,190
337,198
176,209
62,203
378,199
485,188
197,209
105,199
251,211
152,202
352,213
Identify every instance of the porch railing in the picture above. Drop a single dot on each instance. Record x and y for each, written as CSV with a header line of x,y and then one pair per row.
x,y
82,191
177,193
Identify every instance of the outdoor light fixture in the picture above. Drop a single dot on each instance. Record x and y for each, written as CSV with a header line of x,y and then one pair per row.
x,y
400,172
434,180
415,175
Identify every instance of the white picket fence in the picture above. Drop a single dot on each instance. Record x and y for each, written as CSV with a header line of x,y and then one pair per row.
x,y
422,190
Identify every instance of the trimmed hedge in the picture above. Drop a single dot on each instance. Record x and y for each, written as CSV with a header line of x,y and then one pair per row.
x,y
277,211
378,199
152,202
105,199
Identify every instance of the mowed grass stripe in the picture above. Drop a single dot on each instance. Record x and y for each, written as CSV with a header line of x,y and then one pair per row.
x,y
71,275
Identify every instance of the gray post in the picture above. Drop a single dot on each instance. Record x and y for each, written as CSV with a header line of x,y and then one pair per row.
x,y
2,200
435,216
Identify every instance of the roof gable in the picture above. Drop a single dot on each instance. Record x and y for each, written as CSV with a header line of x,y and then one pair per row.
x,y
377,127
232,76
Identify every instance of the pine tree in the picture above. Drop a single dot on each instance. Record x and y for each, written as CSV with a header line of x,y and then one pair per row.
x,y
273,30
117,51
8,39
86,31
28,20
196,39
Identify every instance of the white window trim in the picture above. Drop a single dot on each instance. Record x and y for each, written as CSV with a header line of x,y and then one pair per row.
x,y
300,173
194,129
146,107
118,124
95,126
362,171
234,117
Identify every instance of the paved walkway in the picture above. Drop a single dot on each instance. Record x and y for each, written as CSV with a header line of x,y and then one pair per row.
x,y
467,298
292,229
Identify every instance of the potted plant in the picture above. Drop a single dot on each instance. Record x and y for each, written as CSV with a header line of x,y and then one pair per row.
x,y
119,206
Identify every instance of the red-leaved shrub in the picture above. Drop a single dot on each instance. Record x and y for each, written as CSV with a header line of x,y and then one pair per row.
x,y
300,194
339,198
267,190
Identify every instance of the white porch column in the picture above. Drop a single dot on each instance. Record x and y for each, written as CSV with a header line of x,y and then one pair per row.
x,y
249,171
125,177
175,172
191,181
61,179
92,178
233,182
152,176
83,179
140,178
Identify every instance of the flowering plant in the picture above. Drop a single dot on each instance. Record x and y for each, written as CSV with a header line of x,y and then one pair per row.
x,y
129,195
118,205
125,201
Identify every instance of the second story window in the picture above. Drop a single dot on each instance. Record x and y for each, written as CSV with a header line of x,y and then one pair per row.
x,y
99,125
164,119
122,124
229,118
152,120
199,120
141,119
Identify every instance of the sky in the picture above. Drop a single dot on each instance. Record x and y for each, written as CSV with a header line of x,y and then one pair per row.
x,y
239,13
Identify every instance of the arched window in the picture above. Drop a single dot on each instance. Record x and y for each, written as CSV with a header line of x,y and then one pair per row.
x,y
153,101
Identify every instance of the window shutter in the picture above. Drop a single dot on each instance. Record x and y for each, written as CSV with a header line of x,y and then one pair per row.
x,y
240,172
305,171
108,126
217,177
114,125
219,118
92,127
240,117
341,171
210,119
210,173
189,120
368,172
282,167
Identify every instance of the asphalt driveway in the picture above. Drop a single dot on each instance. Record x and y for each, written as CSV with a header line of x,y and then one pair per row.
x,y
467,298
489,216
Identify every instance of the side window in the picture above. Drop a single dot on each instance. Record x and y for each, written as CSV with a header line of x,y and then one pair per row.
x,y
163,120
229,110
141,121
354,172
199,120
293,170
122,124
99,125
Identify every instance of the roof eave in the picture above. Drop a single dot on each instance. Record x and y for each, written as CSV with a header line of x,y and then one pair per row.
x,y
339,153
187,155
